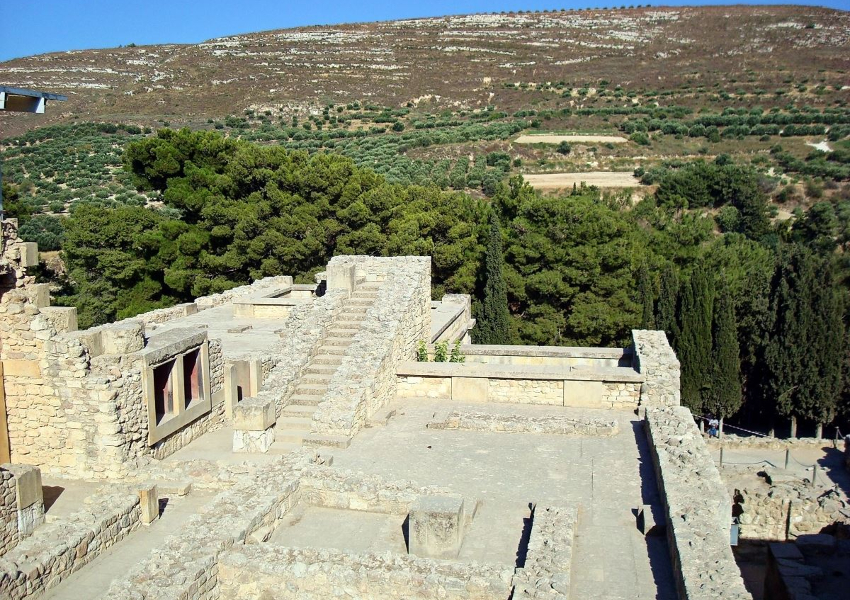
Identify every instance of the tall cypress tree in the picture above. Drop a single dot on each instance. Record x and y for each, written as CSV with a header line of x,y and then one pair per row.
x,y
665,306
494,325
646,297
693,339
726,393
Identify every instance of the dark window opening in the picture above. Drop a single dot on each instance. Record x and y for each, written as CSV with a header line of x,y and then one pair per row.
x,y
163,391
193,377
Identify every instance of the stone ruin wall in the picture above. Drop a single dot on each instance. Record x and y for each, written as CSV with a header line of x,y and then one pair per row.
x,y
72,410
8,512
399,318
792,507
306,328
697,506
548,561
57,549
655,360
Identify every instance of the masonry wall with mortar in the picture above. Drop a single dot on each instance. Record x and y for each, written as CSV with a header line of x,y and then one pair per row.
x,y
654,358
277,573
394,324
548,561
75,410
59,548
8,512
697,506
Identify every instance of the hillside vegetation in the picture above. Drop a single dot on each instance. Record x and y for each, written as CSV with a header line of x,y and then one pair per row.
x,y
413,138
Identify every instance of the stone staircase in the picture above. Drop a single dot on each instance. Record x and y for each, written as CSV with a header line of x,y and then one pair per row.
x,y
295,420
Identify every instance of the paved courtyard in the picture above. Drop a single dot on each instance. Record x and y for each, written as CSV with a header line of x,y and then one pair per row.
x,y
606,477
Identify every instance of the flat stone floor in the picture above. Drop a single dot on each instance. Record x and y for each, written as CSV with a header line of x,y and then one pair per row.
x,y
605,477
351,530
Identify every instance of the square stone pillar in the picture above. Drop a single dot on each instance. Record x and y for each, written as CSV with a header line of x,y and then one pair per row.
x,y
341,277
435,526
29,497
149,502
253,425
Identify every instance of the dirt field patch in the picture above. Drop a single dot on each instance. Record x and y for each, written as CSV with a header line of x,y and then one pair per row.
x,y
577,139
602,179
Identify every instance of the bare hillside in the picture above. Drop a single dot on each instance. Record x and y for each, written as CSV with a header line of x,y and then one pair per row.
x,y
452,62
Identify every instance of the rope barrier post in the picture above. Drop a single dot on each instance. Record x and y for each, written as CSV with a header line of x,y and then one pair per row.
x,y
814,475
721,456
787,457
788,522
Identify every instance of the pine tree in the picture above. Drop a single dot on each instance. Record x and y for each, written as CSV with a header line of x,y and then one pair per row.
x,y
693,339
726,393
665,306
494,325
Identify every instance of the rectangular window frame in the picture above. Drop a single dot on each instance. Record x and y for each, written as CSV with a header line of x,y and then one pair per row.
x,y
162,426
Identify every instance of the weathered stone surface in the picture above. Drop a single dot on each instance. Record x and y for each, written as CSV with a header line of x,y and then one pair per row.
x,y
482,421
697,506
546,573
252,440
149,503
254,414
436,526
655,359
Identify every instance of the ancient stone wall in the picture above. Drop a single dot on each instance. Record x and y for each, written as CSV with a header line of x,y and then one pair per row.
x,y
275,573
655,359
698,508
303,333
59,548
15,256
8,512
792,507
602,387
394,324
255,502
552,424
548,561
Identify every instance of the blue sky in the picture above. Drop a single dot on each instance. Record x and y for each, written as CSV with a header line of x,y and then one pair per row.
x,y
28,28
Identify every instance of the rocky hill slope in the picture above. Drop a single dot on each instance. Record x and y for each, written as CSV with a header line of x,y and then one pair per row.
x,y
451,62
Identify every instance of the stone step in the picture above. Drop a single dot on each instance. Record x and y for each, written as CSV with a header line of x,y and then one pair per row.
x,y
283,436
342,332
288,424
326,352
317,368
305,400
299,410
281,448
327,359
311,389
337,341
317,378
349,324
359,302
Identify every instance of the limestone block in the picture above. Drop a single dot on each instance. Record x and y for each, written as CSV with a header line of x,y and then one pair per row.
x,y
254,414
587,394
470,389
253,441
255,374
435,526
123,337
62,318
341,277
27,484
21,368
231,389
29,254
149,502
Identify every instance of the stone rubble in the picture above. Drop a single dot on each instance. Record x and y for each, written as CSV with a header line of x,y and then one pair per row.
x,y
479,421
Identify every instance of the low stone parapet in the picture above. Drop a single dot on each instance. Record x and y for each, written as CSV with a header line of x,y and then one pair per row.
x,y
553,424
276,573
580,387
546,572
57,549
698,508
